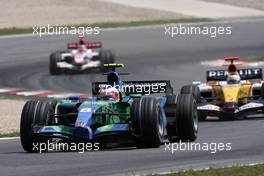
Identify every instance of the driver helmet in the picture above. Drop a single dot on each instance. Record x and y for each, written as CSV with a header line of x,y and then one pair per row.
x,y
111,92
82,48
233,78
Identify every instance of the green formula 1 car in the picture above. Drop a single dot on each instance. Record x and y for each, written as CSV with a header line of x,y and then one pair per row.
x,y
128,117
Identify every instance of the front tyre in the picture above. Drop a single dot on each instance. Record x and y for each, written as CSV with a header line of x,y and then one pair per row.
x,y
53,68
34,112
106,57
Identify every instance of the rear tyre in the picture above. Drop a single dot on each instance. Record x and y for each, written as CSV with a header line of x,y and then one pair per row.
x,y
54,58
34,112
187,118
106,57
262,91
192,89
147,122
170,111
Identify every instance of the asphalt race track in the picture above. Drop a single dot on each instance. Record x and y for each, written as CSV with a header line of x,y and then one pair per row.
x,y
148,54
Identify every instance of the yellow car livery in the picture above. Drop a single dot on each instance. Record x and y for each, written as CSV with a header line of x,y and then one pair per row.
x,y
227,100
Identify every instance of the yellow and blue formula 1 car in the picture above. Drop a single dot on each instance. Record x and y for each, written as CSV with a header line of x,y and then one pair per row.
x,y
229,94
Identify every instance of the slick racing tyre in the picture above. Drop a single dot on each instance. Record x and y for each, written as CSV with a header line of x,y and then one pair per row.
x,y
147,122
195,91
170,111
192,89
187,117
54,58
106,57
34,112
262,91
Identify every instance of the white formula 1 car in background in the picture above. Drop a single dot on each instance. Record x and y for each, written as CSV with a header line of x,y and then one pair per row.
x,y
80,57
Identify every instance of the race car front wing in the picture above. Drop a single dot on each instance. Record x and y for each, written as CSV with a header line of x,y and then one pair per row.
x,y
254,107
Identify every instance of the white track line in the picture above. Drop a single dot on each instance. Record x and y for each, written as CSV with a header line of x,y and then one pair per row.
x,y
9,138
63,95
40,93
34,93
6,90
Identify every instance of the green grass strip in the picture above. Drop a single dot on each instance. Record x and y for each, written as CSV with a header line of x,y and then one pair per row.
x,y
14,30
13,134
256,170
260,58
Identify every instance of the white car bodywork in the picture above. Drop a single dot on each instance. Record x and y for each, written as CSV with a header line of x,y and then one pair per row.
x,y
84,59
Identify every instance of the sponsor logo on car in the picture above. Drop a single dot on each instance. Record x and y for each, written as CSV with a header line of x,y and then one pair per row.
x,y
86,110
250,105
209,107
80,123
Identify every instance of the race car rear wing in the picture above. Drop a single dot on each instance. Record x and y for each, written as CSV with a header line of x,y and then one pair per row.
x,y
90,45
137,87
245,74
